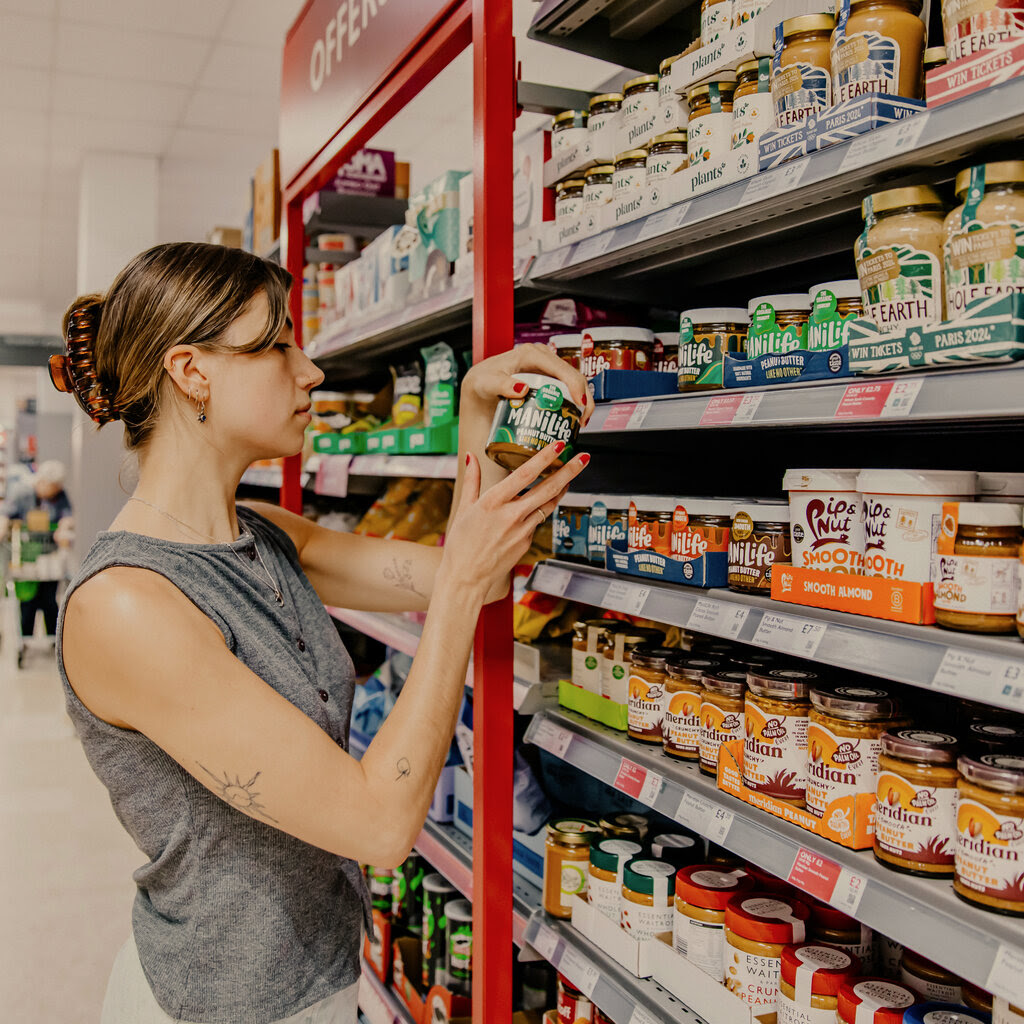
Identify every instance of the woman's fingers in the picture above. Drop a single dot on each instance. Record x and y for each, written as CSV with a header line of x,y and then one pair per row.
x,y
521,478
541,359
548,489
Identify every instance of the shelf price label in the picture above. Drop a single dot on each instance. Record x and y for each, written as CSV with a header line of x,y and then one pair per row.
x,y
663,221
882,399
546,942
591,248
552,581
719,618
625,597
722,410
580,972
1006,978
642,1016
769,184
332,475
981,676
885,143
636,781
704,817
626,416
826,880
550,736
788,635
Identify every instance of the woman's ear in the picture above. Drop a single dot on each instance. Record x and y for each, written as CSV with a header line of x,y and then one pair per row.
x,y
183,366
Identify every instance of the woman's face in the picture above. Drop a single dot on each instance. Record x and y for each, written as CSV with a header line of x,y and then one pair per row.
x,y
259,402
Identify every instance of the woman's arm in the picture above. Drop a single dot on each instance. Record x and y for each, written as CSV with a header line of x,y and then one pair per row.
x,y
141,656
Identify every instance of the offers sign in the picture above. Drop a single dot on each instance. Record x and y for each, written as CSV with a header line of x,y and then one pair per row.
x,y
336,54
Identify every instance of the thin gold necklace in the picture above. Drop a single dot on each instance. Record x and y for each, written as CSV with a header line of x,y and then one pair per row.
x,y
270,580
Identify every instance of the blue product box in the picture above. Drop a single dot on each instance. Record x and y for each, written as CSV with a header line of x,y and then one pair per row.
x,y
568,531
786,367
606,528
854,117
611,384
710,570
777,145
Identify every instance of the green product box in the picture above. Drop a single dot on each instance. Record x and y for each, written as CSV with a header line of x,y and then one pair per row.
x,y
441,440
340,444
374,441
593,705
435,214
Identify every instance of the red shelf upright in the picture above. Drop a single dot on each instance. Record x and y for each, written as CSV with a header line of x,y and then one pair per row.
x,y
376,67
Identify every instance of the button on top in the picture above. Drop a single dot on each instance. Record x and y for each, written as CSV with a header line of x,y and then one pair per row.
x,y
324,695
301,644
252,554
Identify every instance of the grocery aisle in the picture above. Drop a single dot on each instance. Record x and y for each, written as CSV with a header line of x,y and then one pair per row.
x,y
65,864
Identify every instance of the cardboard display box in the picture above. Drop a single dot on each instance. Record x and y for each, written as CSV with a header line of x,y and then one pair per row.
x,y
593,705
983,70
785,367
611,939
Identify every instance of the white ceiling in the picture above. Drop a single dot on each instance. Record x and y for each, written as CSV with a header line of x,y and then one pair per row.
x,y
194,83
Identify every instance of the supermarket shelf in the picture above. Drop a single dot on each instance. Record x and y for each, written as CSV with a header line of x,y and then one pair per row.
x,y
331,473
922,913
327,212
334,256
337,346
268,476
987,669
983,393
813,199
609,985
378,1002
536,670
451,853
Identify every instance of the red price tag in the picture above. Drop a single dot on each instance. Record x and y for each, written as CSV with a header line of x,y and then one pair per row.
x,y
720,410
863,401
630,778
814,875
619,416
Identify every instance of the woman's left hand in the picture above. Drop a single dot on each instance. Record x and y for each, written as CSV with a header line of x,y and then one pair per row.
x,y
490,380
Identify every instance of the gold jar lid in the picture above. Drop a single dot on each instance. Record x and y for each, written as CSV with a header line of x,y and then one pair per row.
x,y
670,137
705,90
600,169
631,154
616,97
667,63
935,55
569,115
808,23
894,198
753,65
636,83
571,183
1006,172
572,831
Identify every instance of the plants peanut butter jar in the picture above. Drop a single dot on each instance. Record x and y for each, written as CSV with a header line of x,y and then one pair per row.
x,y
524,426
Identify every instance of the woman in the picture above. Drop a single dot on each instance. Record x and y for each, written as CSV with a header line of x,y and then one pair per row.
x,y
206,681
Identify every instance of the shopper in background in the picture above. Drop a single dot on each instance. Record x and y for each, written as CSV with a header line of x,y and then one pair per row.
x,y
43,494
207,682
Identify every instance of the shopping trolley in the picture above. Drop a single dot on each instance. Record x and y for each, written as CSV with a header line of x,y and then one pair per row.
x,y
29,558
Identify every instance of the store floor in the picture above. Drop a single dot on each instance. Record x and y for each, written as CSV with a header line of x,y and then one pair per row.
x,y
65,863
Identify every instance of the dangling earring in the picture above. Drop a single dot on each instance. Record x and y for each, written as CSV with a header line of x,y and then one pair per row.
x,y
200,406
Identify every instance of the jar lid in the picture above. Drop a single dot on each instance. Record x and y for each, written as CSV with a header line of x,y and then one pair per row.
x,y
824,916
607,854
752,659
727,682
600,169
894,198
782,682
767,918
669,137
935,55
1003,772
536,381
763,512
846,289
944,483
642,80
750,65
676,848
651,656
572,831
790,302
436,882
989,513
709,887
625,824
576,499
619,333
566,340
690,666
644,875
608,97
667,63
813,968
564,186
884,999
944,1013
621,158
987,737
808,23
859,703
458,910
726,82
1000,486
1006,172
820,480
570,115
920,745
717,315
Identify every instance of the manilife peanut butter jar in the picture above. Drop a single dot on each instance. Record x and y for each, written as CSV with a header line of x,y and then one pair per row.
x,y
524,426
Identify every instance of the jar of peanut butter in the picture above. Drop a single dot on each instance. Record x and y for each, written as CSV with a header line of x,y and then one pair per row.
x,y
666,154
775,749
721,714
990,832
752,110
681,721
647,692
602,109
801,68
915,808
628,826
976,582
835,928
566,863
616,348
639,110
984,235
709,127
569,199
568,129
899,258
810,977
702,894
599,188
671,107
844,741
650,524
877,48
757,929
929,980
969,26
586,652
647,898
608,859
525,425
715,20
705,336
833,305
758,539
976,998
934,57
573,1005
616,648
778,323
873,1001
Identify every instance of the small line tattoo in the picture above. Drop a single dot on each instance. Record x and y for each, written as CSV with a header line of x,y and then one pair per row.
x,y
400,575
404,768
238,793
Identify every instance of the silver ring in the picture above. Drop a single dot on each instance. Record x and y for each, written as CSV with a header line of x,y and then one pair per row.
x,y
543,518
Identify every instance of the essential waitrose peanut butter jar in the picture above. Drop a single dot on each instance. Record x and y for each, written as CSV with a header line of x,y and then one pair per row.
x,y
608,859
873,1001
929,980
810,977
834,928
647,898
702,894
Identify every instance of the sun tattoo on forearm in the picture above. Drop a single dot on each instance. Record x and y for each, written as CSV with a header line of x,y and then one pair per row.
x,y
400,575
239,794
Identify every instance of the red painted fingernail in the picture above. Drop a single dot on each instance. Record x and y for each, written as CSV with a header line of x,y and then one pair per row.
x,y
468,457
584,459
519,388
559,447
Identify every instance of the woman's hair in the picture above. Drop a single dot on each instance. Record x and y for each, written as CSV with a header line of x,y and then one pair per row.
x,y
181,293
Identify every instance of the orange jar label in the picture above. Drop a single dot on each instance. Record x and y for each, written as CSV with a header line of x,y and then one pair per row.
x,y
681,724
838,767
647,700
775,753
717,726
917,823
989,852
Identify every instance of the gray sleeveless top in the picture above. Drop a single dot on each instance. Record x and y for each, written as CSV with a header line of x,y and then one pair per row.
x,y
235,920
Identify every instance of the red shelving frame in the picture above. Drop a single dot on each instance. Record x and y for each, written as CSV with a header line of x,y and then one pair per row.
x,y
487,25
